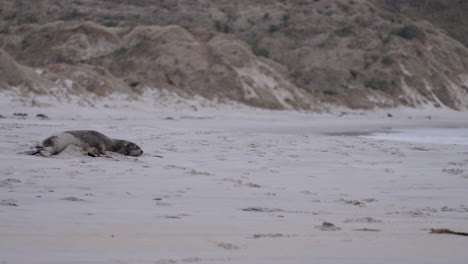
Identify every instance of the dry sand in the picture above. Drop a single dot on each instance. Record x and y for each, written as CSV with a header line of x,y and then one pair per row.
x,y
235,185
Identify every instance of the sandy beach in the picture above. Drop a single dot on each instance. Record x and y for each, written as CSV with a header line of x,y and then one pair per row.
x,y
233,186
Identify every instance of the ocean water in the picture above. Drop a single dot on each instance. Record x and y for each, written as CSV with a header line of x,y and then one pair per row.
x,y
429,135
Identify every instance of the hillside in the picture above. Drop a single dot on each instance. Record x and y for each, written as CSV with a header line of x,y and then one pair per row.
x,y
449,15
279,55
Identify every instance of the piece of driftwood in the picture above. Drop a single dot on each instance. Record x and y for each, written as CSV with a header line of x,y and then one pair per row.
x,y
447,231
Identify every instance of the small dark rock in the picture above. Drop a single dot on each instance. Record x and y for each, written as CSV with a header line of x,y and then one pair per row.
x,y
268,235
367,230
228,246
172,217
73,199
352,202
253,185
327,226
261,209
42,116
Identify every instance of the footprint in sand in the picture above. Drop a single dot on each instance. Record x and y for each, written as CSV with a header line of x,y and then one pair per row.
x,y
363,220
73,199
240,183
9,202
227,246
9,182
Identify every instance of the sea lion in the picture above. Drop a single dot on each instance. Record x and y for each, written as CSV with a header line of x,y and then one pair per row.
x,y
91,143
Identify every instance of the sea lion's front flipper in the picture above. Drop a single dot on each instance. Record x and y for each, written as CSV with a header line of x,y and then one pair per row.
x,y
30,152
33,152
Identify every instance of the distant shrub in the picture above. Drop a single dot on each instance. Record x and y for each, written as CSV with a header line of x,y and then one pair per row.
x,y
273,28
407,32
380,85
330,92
28,19
344,32
10,17
343,6
387,61
218,26
367,65
325,45
262,52
134,84
120,51
73,14
25,44
385,38
110,24
308,12
353,73
226,28
285,20
374,57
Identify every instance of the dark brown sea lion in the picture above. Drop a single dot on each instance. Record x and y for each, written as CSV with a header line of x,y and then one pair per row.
x,y
90,142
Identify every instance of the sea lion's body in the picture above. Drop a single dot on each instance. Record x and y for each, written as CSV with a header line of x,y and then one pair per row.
x,y
90,142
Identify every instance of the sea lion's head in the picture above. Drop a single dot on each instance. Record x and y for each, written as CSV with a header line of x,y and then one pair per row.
x,y
132,149
125,147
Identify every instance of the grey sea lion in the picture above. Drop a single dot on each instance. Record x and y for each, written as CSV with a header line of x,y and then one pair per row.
x,y
91,143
